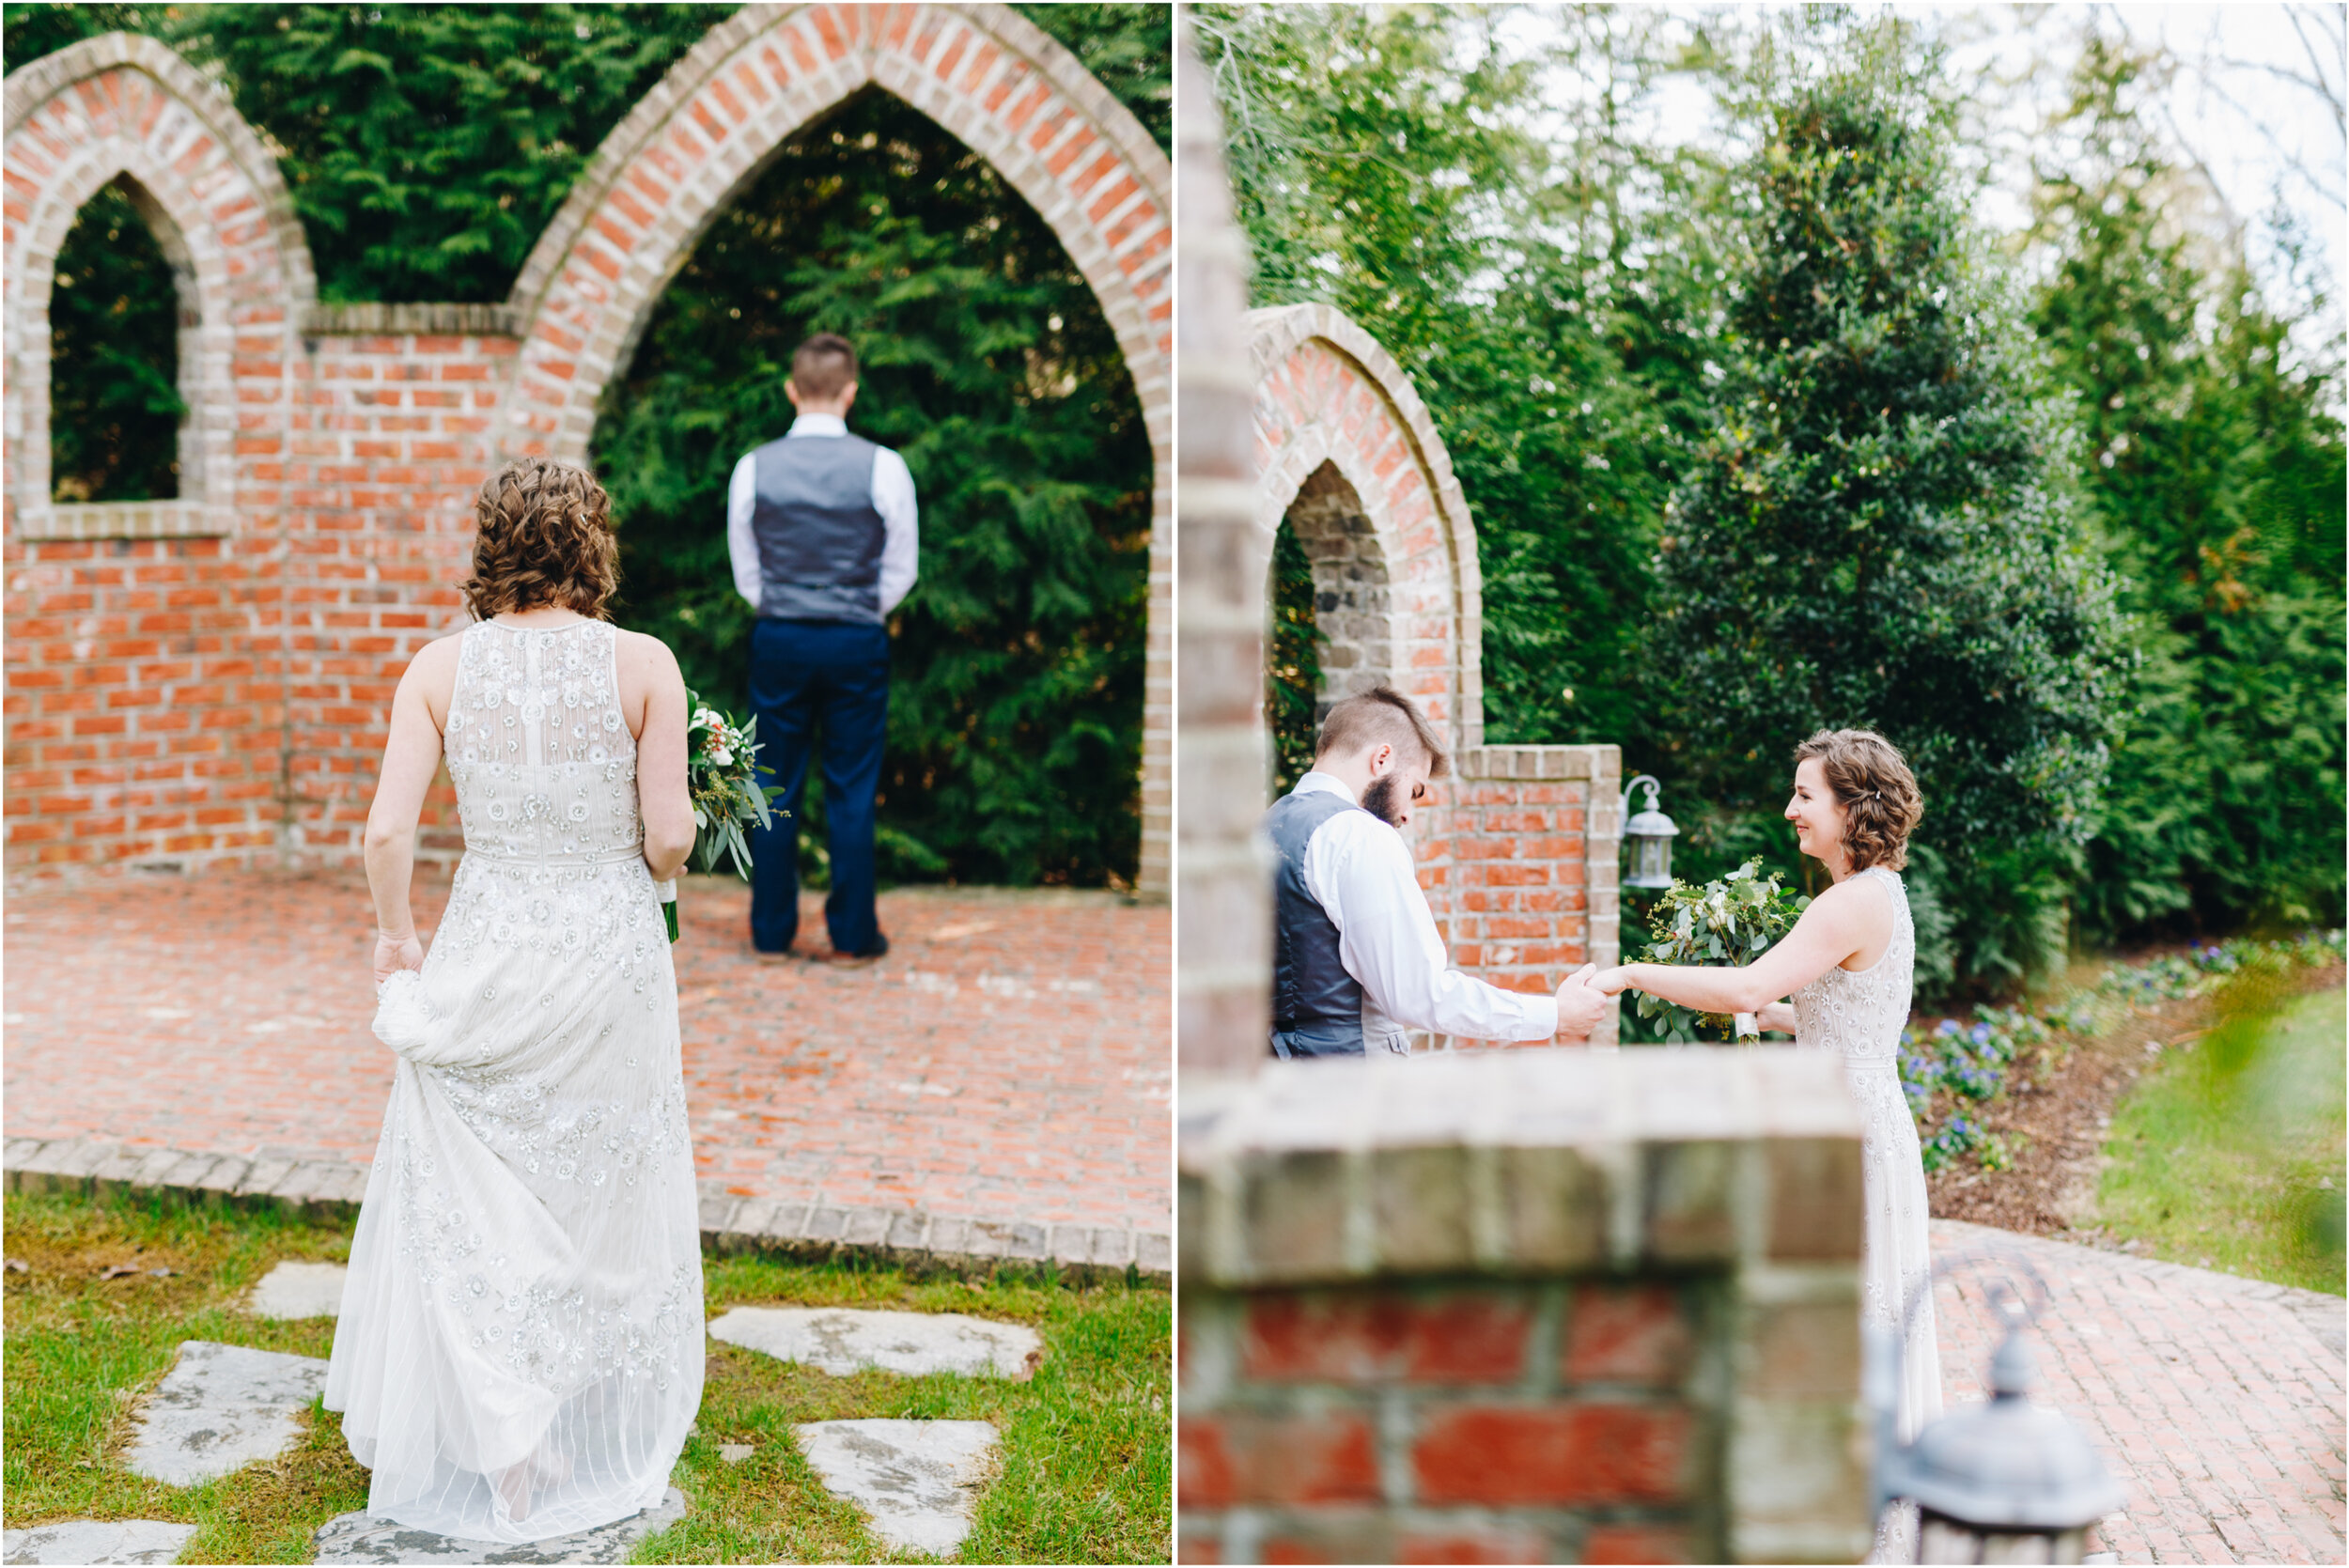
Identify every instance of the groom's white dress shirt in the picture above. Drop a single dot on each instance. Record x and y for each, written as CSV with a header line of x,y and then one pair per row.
x,y
1359,869
893,498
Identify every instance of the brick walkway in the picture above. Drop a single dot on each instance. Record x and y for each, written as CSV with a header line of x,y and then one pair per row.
x,y
2217,1400
1008,1061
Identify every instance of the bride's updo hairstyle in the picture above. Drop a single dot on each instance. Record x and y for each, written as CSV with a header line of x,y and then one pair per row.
x,y
546,541
1877,792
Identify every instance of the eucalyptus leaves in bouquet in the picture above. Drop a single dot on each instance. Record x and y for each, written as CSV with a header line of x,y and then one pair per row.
x,y
1723,924
722,780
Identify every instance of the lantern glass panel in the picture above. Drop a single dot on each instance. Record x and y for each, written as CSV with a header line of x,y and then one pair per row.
x,y
1655,860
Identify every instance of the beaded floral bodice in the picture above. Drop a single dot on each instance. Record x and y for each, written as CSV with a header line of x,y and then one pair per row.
x,y
543,763
1862,1012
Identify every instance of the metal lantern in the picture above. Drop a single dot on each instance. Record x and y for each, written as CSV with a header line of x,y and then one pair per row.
x,y
1650,836
2006,1481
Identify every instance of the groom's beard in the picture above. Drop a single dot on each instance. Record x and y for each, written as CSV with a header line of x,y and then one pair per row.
x,y
1378,800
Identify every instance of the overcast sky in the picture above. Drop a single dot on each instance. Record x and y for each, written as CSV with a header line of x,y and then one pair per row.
x,y
2255,103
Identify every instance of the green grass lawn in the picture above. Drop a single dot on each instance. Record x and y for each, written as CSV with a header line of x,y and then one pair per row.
x,y
2229,1155
1086,1474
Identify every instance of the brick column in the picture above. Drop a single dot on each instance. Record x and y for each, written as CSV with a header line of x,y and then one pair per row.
x,y
1520,862
1537,1307
1225,943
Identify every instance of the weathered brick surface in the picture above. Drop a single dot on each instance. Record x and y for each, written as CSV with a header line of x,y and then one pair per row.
x,y
1402,1339
211,677
225,1015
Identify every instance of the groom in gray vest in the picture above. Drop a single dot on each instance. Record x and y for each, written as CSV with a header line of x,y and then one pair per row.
x,y
1357,958
822,530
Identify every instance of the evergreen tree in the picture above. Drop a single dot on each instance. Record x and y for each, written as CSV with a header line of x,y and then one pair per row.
x,y
1878,531
2217,472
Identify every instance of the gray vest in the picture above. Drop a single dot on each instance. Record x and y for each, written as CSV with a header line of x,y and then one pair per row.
x,y
1309,985
819,539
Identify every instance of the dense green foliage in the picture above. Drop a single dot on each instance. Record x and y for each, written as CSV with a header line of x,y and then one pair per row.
x,y
2127,714
427,147
2218,475
1292,662
114,394
1378,166
1014,710
424,147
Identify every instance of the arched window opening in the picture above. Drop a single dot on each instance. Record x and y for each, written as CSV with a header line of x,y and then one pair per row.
x,y
1292,681
1016,710
115,316
1332,614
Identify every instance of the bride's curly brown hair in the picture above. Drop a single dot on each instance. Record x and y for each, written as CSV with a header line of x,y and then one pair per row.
x,y
545,539
1877,792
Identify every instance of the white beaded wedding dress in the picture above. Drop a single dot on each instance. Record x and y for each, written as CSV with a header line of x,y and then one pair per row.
x,y
1861,1013
520,1353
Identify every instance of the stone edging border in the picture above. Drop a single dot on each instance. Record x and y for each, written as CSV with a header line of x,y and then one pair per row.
x,y
330,1191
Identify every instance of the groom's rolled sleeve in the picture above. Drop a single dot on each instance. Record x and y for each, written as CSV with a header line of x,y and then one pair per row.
x,y
1388,941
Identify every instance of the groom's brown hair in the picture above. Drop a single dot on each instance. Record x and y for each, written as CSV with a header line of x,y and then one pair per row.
x,y
822,366
1381,714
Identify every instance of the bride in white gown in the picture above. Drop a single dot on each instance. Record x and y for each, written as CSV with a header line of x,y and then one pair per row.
x,y
1848,965
520,1351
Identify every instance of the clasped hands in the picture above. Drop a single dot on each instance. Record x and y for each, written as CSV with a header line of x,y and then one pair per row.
x,y
1584,996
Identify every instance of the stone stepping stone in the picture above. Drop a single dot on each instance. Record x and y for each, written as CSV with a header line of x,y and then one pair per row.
x,y
221,1407
365,1538
843,1340
296,1290
917,1482
96,1541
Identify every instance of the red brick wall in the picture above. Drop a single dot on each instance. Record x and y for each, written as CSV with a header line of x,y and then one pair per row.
x,y
1519,869
1487,1422
211,677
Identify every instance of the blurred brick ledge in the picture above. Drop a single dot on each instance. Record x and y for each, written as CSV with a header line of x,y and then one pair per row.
x,y
1528,1305
330,1191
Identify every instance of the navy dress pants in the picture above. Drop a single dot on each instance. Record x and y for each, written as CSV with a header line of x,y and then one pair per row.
x,y
806,676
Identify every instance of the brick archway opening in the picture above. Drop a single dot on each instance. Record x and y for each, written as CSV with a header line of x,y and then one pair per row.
x,y
1518,852
994,81
1353,597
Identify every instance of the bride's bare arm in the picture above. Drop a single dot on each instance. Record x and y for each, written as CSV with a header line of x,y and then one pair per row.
x,y
661,792
411,757
1848,918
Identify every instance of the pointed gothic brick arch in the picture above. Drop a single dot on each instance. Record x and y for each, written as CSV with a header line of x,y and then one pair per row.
x,y
124,104
1346,452
993,80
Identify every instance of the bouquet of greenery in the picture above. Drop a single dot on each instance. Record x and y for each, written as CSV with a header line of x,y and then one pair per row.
x,y
1729,923
721,778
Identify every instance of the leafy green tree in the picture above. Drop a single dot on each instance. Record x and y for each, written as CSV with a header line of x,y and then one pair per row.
x,y
2217,469
1381,162
1878,530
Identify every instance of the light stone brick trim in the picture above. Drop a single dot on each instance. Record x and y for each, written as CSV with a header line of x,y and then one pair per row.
x,y
1223,980
128,520
330,1191
126,104
993,80
1500,1171
409,321
1340,427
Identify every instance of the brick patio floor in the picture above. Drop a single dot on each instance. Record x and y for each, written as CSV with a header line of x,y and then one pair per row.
x,y
2217,1400
1008,1061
